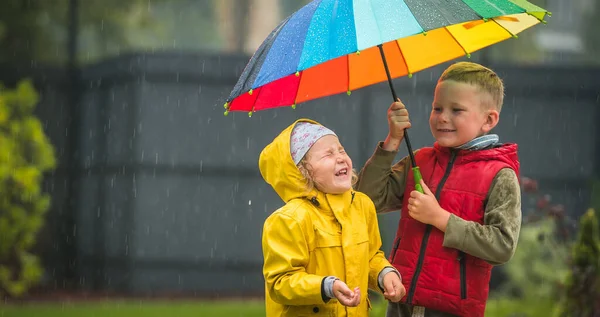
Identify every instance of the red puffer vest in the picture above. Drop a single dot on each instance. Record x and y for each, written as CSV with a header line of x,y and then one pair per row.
x,y
437,277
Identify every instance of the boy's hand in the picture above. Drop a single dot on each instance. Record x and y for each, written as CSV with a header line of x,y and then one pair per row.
x,y
397,121
426,209
345,295
393,290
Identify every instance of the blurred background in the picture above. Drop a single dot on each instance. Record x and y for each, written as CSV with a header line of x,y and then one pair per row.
x,y
125,191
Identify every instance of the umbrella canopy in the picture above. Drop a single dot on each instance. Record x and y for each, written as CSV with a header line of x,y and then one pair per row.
x,y
335,46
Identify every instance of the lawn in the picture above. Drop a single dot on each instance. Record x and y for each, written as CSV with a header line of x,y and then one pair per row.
x,y
158,308
136,309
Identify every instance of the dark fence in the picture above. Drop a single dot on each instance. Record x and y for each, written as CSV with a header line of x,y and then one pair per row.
x,y
157,191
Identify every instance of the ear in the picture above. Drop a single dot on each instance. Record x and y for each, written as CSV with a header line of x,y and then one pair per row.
x,y
305,169
491,120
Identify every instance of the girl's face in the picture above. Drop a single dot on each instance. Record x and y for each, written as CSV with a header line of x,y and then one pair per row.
x,y
330,166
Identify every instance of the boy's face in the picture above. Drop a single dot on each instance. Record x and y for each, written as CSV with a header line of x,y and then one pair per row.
x,y
331,167
459,113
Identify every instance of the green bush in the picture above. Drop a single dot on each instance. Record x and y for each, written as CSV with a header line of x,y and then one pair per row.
x,y
534,275
595,201
25,155
539,266
582,293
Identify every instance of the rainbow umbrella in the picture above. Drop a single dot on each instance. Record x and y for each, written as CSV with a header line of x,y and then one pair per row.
x,y
336,46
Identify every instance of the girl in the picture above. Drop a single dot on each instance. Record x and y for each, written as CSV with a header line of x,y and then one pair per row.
x,y
321,250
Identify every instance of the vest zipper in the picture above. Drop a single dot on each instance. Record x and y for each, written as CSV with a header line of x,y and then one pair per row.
x,y
463,274
415,278
396,245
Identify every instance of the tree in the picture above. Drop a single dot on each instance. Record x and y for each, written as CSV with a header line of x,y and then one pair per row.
x,y
230,22
25,156
244,24
24,31
264,17
582,293
591,9
35,31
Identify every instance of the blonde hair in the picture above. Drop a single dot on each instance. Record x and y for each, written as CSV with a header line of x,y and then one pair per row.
x,y
306,171
478,75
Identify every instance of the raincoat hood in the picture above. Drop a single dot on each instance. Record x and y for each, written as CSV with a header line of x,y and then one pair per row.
x,y
278,169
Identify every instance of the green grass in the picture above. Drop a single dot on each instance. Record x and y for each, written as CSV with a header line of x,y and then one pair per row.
x,y
136,309
526,308
159,308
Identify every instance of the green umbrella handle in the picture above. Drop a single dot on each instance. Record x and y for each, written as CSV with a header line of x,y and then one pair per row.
x,y
418,178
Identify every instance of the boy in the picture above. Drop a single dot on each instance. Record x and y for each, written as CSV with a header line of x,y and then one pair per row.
x,y
469,217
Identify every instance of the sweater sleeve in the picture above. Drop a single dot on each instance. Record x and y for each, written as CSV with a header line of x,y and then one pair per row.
x,y
383,182
496,240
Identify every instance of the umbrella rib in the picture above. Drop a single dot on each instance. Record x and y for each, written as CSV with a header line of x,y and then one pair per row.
x,y
257,57
404,58
255,100
376,22
505,29
474,11
442,12
348,63
457,42
496,7
297,88
533,15
419,22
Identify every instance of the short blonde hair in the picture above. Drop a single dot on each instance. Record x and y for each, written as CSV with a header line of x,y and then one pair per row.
x,y
478,75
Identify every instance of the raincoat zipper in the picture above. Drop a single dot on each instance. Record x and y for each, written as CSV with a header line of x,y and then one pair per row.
x,y
415,278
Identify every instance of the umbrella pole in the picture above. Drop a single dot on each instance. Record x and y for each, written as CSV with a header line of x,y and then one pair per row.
x,y
415,168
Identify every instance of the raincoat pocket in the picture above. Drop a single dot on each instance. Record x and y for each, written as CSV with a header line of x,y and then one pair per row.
x,y
360,233
324,239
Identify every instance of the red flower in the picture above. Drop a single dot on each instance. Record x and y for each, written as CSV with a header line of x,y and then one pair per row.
x,y
557,211
543,202
529,185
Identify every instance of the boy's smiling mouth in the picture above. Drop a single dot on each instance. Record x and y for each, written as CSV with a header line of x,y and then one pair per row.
x,y
446,130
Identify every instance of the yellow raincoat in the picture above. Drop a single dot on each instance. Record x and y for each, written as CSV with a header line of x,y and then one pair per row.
x,y
313,236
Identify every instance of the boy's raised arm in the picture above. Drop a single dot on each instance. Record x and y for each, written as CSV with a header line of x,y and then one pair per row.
x,y
382,182
496,240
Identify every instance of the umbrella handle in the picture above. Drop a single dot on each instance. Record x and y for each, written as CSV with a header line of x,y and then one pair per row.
x,y
417,176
